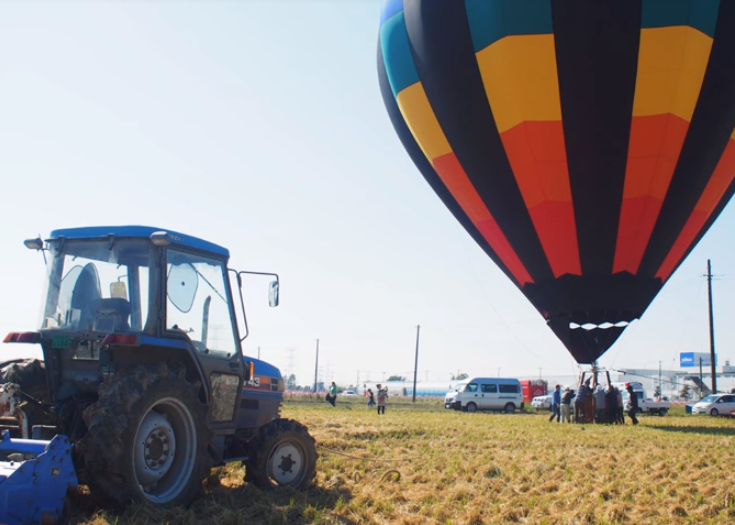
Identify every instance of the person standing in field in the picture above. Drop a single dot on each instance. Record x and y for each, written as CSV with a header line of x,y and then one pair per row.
x,y
611,404
579,403
600,411
382,396
556,404
332,397
371,397
566,408
633,404
621,408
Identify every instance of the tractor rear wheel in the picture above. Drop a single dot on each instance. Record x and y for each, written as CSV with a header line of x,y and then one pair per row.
x,y
147,439
283,455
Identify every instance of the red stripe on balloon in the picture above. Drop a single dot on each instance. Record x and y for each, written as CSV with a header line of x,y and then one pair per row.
x,y
537,155
455,179
722,177
653,151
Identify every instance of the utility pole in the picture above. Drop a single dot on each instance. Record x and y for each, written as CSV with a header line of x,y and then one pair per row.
x,y
416,362
711,327
316,366
701,380
258,353
660,387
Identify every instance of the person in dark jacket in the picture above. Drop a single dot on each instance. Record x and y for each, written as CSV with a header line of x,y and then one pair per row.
x,y
371,397
611,402
579,402
633,403
556,404
566,409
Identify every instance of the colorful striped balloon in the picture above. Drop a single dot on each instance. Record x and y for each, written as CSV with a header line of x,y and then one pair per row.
x,y
587,146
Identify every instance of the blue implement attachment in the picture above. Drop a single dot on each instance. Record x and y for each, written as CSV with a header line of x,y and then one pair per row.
x,y
32,491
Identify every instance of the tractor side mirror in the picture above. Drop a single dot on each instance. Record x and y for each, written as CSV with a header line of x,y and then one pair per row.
x,y
273,294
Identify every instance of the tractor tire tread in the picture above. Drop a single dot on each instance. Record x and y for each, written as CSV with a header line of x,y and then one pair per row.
x,y
268,437
106,445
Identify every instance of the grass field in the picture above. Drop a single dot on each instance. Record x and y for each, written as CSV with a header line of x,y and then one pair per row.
x,y
422,464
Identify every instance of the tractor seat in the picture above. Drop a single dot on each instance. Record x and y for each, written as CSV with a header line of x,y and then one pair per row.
x,y
111,315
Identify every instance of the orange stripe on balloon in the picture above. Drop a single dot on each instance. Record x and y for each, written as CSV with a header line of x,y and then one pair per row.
x,y
721,179
537,155
455,179
653,151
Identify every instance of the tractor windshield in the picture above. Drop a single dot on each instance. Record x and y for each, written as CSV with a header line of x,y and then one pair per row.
x,y
97,285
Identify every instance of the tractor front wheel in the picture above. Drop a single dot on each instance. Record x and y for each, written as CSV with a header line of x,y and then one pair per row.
x,y
147,439
283,455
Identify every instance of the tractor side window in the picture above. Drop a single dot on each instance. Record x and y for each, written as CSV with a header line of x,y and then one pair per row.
x,y
197,303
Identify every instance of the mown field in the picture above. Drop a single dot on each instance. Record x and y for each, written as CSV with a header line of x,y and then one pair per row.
x,y
424,465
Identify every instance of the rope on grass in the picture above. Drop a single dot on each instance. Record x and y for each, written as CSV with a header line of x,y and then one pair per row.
x,y
338,453
396,477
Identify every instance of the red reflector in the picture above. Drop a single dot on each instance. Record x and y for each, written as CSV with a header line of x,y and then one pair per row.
x,y
121,340
22,337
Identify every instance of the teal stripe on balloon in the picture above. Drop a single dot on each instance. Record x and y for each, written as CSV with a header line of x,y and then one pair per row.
x,y
397,54
699,14
491,20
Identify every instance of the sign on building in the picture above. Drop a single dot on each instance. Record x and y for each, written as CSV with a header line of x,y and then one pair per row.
x,y
691,359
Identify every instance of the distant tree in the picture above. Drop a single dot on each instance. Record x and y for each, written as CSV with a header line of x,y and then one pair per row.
x,y
291,382
396,378
459,377
685,392
657,391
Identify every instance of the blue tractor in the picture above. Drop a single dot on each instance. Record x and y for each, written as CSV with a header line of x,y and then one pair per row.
x,y
144,370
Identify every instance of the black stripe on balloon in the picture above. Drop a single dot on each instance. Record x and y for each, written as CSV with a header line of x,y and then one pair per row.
x,y
439,36
597,59
712,218
425,167
709,131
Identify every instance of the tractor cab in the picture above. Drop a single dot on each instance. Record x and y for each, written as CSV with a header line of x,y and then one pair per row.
x,y
116,297
103,284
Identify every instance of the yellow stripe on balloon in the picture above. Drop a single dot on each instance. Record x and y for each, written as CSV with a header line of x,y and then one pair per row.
x,y
671,66
420,118
520,79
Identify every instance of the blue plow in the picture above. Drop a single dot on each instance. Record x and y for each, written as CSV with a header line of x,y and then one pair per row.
x,y
32,490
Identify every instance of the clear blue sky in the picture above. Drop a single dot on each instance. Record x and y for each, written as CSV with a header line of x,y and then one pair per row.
x,y
259,125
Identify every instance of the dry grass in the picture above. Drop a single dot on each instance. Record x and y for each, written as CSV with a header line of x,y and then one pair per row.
x,y
446,467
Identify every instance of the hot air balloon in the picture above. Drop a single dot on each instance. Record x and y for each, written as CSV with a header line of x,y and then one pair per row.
x,y
586,146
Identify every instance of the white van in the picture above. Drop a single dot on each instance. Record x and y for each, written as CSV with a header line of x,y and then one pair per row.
x,y
486,393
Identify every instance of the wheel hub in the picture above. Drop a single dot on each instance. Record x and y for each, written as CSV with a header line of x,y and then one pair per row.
x,y
155,449
287,463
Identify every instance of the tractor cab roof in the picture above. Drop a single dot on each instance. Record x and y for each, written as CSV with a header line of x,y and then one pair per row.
x,y
139,232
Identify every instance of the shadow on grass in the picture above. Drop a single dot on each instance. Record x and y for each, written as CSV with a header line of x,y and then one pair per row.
x,y
243,504
710,431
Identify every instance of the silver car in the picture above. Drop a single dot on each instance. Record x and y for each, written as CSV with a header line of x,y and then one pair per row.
x,y
715,405
541,402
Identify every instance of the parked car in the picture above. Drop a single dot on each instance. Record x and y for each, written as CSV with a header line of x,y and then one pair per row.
x,y
715,405
541,402
348,393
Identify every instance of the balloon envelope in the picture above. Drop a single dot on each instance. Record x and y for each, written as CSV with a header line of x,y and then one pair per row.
x,y
586,146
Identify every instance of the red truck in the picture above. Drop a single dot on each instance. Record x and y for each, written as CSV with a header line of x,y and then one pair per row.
x,y
533,387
